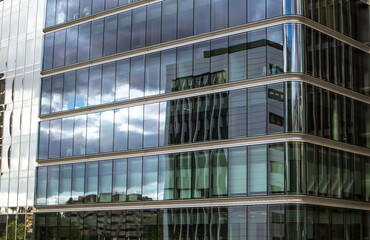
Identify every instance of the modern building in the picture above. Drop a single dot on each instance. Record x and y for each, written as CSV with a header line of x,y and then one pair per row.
x,y
204,119
21,41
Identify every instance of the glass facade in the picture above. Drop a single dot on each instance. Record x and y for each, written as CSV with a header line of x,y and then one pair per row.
x,y
288,221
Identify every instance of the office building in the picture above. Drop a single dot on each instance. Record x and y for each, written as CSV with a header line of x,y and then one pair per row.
x,y
204,119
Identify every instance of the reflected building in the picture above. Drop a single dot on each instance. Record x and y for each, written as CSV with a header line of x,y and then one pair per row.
x,y
204,119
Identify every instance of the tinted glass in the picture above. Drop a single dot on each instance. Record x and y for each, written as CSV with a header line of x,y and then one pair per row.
x,y
124,32
92,136
106,131
153,29
59,48
97,35
69,90
219,14
53,183
91,184
110,35
169,20
257,170
134,180
83,42
256,10
151,125
256,111
82,88
202,15
94,97
238,171
237,12
108,82
79,136
138,27
185,18
150,178
238,57
120,129
54,139
119,180
65,183
122,80
136,127
105,181
152,74
78,183
137,77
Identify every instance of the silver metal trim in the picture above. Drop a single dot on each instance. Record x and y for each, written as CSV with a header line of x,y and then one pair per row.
x,y
228,143
208,36
210,202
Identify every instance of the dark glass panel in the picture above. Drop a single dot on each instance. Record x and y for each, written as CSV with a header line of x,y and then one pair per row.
x,y
276,111
119,180
358,176
48,51
336,174
201,64
73,11
136,127
108,82
79,136
105,181
323,165
185,18
348,177
275,62
45,95
184,68
168,69
153,28
122,80
78,182
295,227
257,170
94,97
134,179
137,77
337,228
82,87
151,125
312,182
69,91
256,10
150,224
52,185
91,184
97,6
124,31
257,222
183,176
237,172
276,219
90,225
219,61
166,179
295,169
169,20
257,53
120,129
59,48
56,93
110,35
83,41
202,16
106,131
41,186
92,133
104,225
237,113
134,222
200,175
77,224
54,138
295,107
50,13
118,225
257,111
138,27
276,165
65,184
150,178
85,8
367,179
237,57
274,8
237,12
97,35
44,140
71,45
152,74
67,137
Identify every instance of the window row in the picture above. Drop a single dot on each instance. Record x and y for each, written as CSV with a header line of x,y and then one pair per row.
x,y
60,11
291,168
271,109
238,57
290,222
158,22
351,18
336,62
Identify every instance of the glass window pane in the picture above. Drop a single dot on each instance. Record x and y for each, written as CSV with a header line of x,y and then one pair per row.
x,y
256,10
336,173
138,27
48,51
79,136
311,169
274,8
73,9
53,185
98,6
202,16
124,31
277,221
169,20
106,131
89,225
237,113
54,139
166,180
183,176
91,184
219,60
65,184
136,127
257,222
168,69
50,10
92,135
348,178
184,68
150,178
134,180
296,169
185,18
237,12
323,171
85,8
137,77
200,174
95,85
237,220
257,53
276,111
257,170
219,181
275,62
237,57
358,173
119,180
78,182
44,140
97,29
69,91
201,63
256,111
108,82
59,48
41,185
111,4
151,117
219,14
367,179
153,29
82,87
238,171
122,80
46,95
110,35
120,129
105,181
56,93
277,168
152,74
84,41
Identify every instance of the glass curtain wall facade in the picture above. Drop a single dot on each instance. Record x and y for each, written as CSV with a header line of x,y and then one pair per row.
x,y
156,117
21,41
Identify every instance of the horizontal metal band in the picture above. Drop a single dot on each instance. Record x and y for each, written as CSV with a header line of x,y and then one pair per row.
x,y
210,202
209,90
199,146
208,36
99,15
